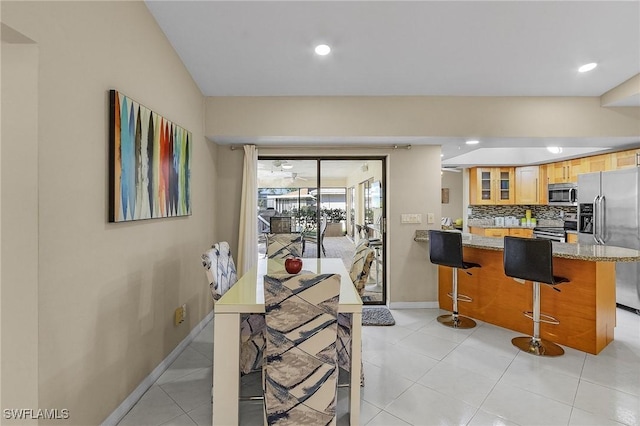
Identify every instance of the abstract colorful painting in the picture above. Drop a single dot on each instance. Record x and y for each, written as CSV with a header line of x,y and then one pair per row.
x,y
150,161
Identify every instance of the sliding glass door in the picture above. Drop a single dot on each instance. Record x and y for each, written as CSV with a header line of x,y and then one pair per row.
x,y
285,190
333,203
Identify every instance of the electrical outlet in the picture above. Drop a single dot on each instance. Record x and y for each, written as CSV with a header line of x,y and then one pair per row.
x,y
431,218
178,316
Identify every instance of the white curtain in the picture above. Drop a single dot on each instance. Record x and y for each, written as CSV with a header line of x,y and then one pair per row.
x,y
248,235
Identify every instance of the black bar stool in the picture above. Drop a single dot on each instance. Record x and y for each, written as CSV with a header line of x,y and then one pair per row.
x,y
445,248
531,259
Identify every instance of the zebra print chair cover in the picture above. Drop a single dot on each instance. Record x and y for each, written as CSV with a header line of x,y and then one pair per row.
x,y
360,267
300,369
221,273
359,273
362,242
281,246
220,269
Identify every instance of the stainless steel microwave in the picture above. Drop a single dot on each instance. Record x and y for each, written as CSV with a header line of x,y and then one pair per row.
x,y
563,194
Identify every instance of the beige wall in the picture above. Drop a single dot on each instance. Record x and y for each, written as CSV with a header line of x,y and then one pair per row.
x,y
19,222
229,185
106,292
418,116
453,181
622,92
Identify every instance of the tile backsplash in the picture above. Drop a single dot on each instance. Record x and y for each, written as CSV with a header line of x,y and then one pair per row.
x,y
539,212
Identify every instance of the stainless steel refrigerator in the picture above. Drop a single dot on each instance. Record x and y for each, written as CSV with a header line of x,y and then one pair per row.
x,y
608,213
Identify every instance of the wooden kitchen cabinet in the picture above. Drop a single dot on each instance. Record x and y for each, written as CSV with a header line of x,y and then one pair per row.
x,y
596,163
625,159
531,185
491,185
496,232
476,231
575,168
517,185
568,171
521,232
501,232
565,171
556,172
489,232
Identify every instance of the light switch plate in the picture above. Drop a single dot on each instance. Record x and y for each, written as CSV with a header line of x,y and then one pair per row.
x,y
411,218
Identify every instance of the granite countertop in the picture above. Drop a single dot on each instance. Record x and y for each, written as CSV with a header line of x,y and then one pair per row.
x,y
590,252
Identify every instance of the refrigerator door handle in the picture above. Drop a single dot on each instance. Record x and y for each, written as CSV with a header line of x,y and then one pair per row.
x,y
595,219
603,219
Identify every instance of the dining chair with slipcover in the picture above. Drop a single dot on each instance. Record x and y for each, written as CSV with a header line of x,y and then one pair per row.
x,y
361,266
220,269
361,242
359,274
221,273
281,246
300,371
312,237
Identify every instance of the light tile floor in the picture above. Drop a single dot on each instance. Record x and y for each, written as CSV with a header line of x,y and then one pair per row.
x,y
419,372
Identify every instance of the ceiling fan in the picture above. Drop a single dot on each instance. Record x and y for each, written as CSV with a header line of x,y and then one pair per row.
x,y
282,164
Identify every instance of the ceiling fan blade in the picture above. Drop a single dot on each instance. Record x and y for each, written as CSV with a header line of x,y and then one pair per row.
x,y
295,176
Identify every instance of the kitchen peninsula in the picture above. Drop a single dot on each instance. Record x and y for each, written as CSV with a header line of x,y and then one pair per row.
x,y
585,306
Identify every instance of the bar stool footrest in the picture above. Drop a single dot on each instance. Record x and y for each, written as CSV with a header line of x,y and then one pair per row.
x,y
548,319
461,297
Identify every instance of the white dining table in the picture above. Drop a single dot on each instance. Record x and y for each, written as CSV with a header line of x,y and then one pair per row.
x,y
247,296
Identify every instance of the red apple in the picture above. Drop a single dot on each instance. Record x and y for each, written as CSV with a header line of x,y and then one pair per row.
x,y
293,265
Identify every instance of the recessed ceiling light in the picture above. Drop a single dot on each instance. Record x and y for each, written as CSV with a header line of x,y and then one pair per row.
x,y
554,149
587,67
473,142
287,166
441,155
322,49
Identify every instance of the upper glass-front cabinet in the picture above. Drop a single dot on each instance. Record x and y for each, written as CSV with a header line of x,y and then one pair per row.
x,y
491,185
